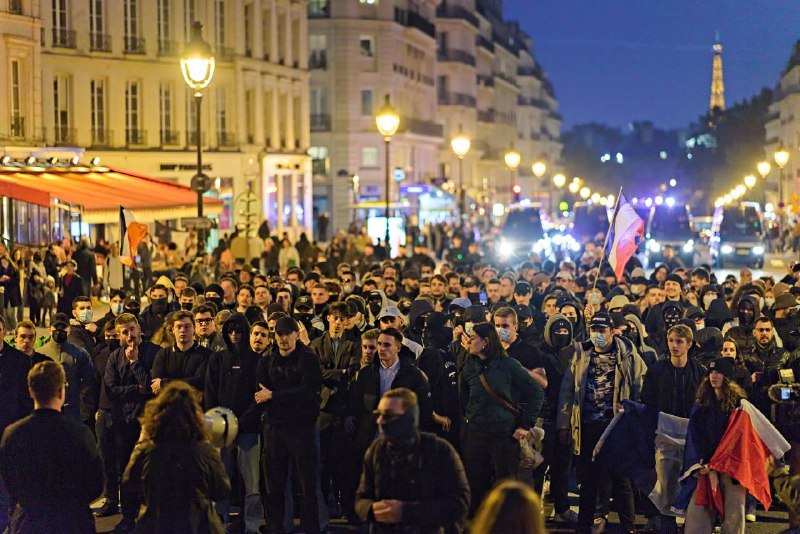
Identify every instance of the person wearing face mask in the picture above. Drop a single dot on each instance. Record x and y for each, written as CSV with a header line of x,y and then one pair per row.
x,y
670,314
187,298
604,371
229,383
412,481
506,322
556,353
153,316
81,379
82,329
787,321
116,304
571,310
747,312
440,366
637,334
419,310
213,295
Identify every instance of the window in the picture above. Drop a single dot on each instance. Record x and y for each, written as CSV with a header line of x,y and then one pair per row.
x,y
163,20
97,89
249,106
318,51
222,114
319,159
96,19
367,102
248,32
369,156
219,13
319,101
61,101
367,45
189,17
318,8
165,105
131,18
132,112
17,122
59,16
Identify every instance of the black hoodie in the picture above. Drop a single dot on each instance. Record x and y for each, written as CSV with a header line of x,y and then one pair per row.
x,y
231,377
742,334
555,362
419,308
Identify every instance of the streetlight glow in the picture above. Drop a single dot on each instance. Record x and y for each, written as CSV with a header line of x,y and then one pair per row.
x,y
763,168
512,159
197,62
750,181
460,144
387,119
539,168
585,193
574,187
559,180
781,156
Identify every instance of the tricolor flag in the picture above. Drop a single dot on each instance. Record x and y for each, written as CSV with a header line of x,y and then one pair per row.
x,y
625,231
131,234
749,441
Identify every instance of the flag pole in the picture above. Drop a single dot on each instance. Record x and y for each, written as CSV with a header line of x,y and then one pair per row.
x,y
608,233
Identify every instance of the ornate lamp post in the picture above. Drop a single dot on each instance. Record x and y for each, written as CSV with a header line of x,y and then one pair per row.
x,y
388,121
538,168
781,157
197,66
512,159
460,145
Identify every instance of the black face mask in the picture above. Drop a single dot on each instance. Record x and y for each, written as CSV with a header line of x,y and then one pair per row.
x,y
633,336
304,318
60,336
187,306
217,301
112,343
671,319
746,315
374,307
561,340
402,429
159,306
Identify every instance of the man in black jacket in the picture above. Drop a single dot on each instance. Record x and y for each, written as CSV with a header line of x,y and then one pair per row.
x,y
82,330
439,364
127,380
86,266
153,316
186,360
14,399
103,425
289,382
410,479
52,491
230,382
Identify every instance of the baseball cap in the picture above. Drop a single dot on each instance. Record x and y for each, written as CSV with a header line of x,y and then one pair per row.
x,y
60,319
779,288
275,280
469,281
564,275
784,301
601,320
523,311
723,366
460,302
389,311
540,279
304,302
375,295
794,290
618,302
638,273
522,288
693,312
311,276
286,325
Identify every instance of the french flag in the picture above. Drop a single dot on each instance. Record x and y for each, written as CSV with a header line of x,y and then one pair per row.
x,y
626,230
131,235
749,441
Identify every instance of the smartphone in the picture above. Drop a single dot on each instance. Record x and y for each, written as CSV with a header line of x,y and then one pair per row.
x,y
468,328
482,298
786,393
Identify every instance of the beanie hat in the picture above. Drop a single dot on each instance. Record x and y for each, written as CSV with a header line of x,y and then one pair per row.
x,y
723,366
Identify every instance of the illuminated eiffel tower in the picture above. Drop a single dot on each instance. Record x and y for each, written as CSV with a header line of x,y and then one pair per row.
x,y
717,102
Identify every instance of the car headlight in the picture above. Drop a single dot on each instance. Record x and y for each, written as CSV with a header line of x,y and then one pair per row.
x,y
506,249
688,247
758,250
726,249
653,246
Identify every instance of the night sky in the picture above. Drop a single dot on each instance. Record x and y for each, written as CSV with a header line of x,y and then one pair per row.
x,y
614,61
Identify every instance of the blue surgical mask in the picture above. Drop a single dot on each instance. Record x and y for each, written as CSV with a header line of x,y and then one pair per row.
x,y
85,316
598,340
117,307
504,334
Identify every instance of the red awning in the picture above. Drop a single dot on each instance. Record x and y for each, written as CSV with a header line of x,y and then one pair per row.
x,y
13,190
102,192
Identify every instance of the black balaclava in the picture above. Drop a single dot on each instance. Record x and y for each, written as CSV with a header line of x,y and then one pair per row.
x,y
671,315
403,429
746,312
559,341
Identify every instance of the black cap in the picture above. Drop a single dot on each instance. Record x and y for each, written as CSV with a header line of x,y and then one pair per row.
x,y
522,288
304,302
692,312
286,325
60,319
311,276
435,321
214,288
619,319
601,320
723,366
523,311
674,278
375,295
357,302
275,280
794,290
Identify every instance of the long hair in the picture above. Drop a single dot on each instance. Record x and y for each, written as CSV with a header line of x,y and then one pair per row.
x,y
732,393
510,508
494,349
175,415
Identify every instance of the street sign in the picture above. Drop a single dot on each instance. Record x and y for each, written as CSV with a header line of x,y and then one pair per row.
x,y
414,189
198,223
201,183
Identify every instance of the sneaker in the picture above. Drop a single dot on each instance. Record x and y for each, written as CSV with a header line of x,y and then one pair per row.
x,y
567,516
599,525
109,508
750,517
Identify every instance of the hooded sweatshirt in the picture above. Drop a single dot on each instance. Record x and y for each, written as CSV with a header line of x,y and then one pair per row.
x,y
385,301
647,353
742,334
556,361
419,308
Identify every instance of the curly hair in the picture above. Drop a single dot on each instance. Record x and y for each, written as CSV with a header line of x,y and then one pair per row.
x,y
732,393
175,415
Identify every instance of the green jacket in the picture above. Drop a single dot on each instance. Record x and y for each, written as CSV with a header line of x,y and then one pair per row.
x,y
511,382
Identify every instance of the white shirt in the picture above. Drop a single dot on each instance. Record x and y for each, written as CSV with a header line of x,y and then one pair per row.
x,y
387,375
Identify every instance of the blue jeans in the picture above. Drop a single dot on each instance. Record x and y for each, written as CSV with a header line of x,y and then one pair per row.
x,y
246,452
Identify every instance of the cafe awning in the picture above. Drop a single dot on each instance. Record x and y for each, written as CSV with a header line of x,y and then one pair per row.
x,y
100,191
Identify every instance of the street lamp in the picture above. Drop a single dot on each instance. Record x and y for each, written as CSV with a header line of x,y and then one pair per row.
x,y
781,157
763,168
512,159
388,121
460,145
559,180
585,192
538,168
574,187
197,66
750,181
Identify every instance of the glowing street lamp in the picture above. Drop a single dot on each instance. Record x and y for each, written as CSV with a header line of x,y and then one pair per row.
x,y
460,145
539,168
388,121
585,192
574,187
750,181
763,168
559,180
512,160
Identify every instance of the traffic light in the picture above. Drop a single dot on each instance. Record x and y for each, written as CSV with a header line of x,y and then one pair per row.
x,y
516,190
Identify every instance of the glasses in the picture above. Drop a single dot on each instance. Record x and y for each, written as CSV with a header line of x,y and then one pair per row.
x,y
203,321
764,330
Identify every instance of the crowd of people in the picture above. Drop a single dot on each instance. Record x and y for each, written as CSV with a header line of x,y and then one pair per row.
x,y
393,393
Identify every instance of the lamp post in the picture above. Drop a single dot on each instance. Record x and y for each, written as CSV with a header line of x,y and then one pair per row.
x,y
388,121
538,168
781,157
460,145
197,66
763,168
512,159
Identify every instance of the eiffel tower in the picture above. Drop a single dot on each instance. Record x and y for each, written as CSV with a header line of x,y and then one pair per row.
x,y
717,102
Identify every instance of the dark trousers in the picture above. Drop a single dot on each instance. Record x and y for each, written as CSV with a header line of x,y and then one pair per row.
x,y
558,459
296,446
103,428
336,450
597,481
126,434
36,310
488,458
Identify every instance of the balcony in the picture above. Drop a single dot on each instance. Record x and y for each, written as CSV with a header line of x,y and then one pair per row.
x,y
321,122
319,9
15,7
134,45
485,80
447,98
99,42
486,115
166,48
102,137
318,59
458,56
135,137
412,19
169,137
506,78
421,127
226,140
63,136
191,138
63,38
530,101
456,12
483,42
528,71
